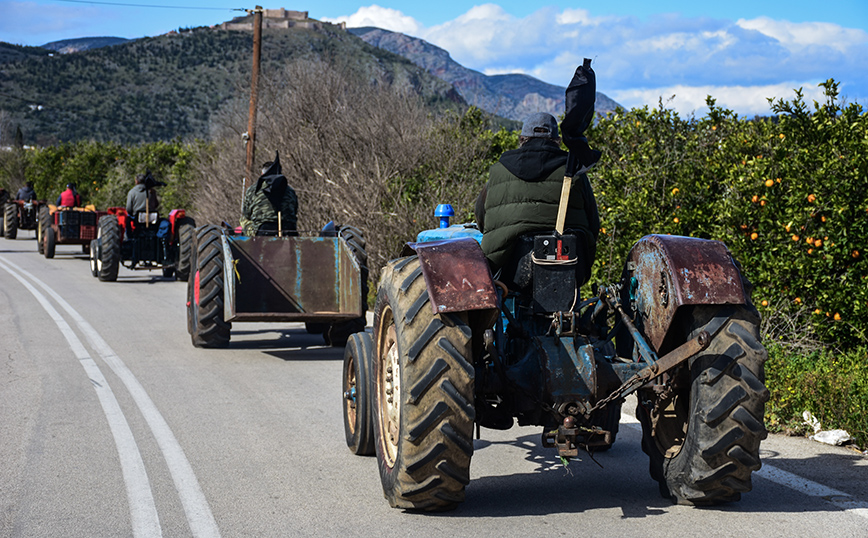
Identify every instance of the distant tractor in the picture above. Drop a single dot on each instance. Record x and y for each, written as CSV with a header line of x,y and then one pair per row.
x,y
66,226
145,242
20,215
319,278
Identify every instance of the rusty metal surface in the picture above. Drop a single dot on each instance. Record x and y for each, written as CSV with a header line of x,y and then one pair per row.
x,y
457,275
292,279
674,271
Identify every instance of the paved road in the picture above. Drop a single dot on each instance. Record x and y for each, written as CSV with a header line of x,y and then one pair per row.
x,y
112,424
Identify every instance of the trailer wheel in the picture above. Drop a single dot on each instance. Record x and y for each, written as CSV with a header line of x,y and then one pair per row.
x,y
43,220
205,291
186,238
10,217
93,254
108,237
703,437
336,334
358,427
50,243
423,394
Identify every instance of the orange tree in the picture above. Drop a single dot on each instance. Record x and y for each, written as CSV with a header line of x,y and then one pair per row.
x,y
764,186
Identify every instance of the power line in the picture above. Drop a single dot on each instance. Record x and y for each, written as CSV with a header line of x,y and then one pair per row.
x,y
151,6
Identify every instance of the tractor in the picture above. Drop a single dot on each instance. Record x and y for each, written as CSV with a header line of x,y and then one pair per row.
x,y
319,278
453,348
66,226
142,242
20,215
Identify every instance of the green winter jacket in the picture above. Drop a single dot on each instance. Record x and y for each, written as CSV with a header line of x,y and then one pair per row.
x,y
522,196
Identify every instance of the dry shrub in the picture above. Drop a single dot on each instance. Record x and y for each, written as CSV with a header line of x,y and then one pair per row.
x,y
356,151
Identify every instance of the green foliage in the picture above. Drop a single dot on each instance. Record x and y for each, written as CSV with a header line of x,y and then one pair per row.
x,y
103,172
787,195
832,386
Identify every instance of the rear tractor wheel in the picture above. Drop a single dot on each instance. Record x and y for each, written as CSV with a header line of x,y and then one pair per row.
x,y
702,434
50,243
10,217
186,240
44,222
336,334
422,394
205,291
109,259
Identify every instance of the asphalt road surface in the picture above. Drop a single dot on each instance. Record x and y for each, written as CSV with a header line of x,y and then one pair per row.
x,y
113,424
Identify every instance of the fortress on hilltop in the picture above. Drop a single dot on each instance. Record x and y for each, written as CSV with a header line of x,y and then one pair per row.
x,y
278,18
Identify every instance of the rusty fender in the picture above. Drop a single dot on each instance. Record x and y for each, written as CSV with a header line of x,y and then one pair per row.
x,y
456,274
666,272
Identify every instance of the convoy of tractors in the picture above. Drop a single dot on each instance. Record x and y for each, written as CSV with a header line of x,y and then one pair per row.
x,y
454,348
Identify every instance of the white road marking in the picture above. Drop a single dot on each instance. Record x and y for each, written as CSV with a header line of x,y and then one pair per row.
x,y
199,516
143,510
795,482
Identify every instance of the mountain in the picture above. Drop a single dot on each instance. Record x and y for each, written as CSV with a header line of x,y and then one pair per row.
x,y
512,96
168,86
67,46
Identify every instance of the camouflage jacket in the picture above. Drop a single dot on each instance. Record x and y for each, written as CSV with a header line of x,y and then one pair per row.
x,y
257,210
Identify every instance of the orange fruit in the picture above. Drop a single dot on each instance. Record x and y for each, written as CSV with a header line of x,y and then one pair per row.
x,y
818,311
798,300
674,191
762,203
782,136
675,220
811,198
818,243
837,317
855,254
755,199
770,183
795,237
753,236
765,303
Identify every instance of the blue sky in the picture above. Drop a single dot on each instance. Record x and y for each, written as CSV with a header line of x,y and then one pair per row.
x,y
740,52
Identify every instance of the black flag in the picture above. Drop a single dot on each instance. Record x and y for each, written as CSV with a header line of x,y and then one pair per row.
x,y
273,183
578,115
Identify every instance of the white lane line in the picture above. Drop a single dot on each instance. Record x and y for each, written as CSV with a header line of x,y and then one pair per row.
x,y
199,516
795,482
143,510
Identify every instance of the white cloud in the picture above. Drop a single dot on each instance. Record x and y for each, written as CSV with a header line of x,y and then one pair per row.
x,y
740,63
745,100
381,17
798,36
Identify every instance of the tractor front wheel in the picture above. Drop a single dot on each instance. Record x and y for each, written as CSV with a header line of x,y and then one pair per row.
x,y
357,394
93,254
10,217
108,236
422,394
702,434
205,291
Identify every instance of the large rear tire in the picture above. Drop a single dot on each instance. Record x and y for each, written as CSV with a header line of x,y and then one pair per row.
x,y
423,394
703,437
358,427
186,239
336,334
50,243
108,236
205,292
44,222
10,217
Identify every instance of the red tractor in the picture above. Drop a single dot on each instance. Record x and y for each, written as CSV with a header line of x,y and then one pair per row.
x,y
20,215
66,226
146,242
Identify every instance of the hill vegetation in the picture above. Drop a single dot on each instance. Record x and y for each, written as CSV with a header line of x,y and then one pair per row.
x,y
169,86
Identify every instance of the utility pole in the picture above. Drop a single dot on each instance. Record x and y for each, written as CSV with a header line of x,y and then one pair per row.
x,y
254,89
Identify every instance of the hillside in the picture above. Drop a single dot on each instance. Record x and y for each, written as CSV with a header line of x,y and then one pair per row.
x,y
169,86
513,96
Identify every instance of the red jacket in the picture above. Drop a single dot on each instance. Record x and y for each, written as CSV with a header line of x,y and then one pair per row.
x,y
69,199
